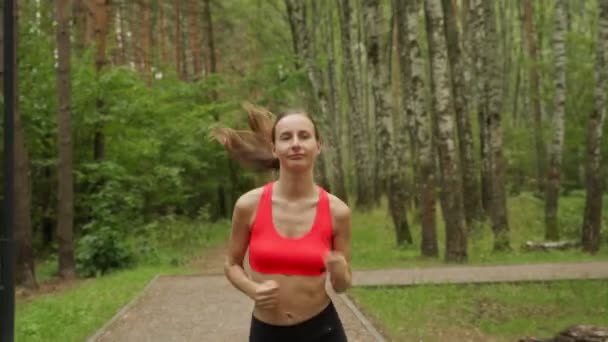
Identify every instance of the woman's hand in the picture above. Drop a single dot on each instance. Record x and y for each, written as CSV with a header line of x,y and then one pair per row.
x,y
338,269
266,295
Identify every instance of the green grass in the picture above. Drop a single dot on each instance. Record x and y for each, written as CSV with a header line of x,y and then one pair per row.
x,y
77,312
484,312
373,242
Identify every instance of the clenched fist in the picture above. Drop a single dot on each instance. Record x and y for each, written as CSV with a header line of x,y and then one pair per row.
x,y
267,294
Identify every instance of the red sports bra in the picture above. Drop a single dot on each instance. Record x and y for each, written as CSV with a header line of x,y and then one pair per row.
x,y
272,253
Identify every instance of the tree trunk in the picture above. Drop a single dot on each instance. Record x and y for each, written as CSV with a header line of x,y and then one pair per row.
x,y
389,171
592,221
210,40
498,208
195,37
98,16
472,200
412,92
25,273
359,133
452,201
535,93
555,152
146,40
65,209
476,28
339,181
79,19
179,67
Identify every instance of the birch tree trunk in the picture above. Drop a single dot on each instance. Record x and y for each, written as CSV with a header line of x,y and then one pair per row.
x,y
358,120
333,115
65,208
452,201
535,93
472,200
476,25
386,153
413,94
498,208
592,221
374,29
557,143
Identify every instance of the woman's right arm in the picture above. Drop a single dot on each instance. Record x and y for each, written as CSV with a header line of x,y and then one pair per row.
x,y
244,209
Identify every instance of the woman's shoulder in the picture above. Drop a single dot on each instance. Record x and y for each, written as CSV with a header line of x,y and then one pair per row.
x,y
339,209
249,200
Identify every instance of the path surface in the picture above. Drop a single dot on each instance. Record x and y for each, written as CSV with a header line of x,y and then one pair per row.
x,y
207,308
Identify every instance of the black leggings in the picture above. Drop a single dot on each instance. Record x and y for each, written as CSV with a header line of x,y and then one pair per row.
x,y
324,327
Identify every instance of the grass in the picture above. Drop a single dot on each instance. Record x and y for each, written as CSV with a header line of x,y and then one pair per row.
x,y
77,312
497,312
373,241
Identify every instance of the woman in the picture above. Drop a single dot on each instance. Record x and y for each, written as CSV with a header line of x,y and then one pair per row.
x,y
297,234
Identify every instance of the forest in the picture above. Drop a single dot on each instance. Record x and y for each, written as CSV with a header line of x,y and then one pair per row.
x,y
440,113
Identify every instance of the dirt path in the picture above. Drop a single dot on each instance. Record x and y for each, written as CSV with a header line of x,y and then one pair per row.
x,y
206,307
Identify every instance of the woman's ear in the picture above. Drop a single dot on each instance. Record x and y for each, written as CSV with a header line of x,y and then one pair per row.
x,y
274,151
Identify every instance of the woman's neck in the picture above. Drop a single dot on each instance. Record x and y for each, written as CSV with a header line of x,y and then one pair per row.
x,y
296,185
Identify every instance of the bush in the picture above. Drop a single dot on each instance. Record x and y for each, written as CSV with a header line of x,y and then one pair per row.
x,y
101,251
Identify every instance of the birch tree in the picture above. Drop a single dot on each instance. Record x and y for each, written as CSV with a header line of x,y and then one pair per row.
x,y
592,221
493,118
472,201
533,73
358,120
389,168
557,143
456,242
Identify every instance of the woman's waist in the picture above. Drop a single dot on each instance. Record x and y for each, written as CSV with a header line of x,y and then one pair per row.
x,y
299,298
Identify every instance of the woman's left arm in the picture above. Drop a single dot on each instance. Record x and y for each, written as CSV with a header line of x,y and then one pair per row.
x,y
338,260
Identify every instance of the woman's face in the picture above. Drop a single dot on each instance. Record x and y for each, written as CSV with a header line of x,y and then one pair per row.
x,y
295,144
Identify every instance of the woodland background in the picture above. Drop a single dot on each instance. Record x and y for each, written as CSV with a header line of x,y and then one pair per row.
x,y
444,113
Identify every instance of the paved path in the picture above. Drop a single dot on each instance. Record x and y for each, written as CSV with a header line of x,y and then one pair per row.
x,y
482,274
208,308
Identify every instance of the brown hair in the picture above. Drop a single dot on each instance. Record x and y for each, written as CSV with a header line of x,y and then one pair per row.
x,y
253,148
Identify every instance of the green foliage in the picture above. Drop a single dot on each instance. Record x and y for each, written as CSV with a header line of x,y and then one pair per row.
x,y
101,251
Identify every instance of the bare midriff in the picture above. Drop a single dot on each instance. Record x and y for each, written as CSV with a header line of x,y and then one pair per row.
x,y
300,298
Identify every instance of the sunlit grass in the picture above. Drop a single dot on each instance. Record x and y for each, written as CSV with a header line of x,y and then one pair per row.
x,y
501,312
373,244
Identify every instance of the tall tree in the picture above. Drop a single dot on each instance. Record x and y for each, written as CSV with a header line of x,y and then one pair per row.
x,y
412,92
195,37
98,18
535,92
380,88
25,274
65,210
493,118
333,115
557,144
358,120
389,169
476,31
452,199
208,28
472,200
179,63
592,221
